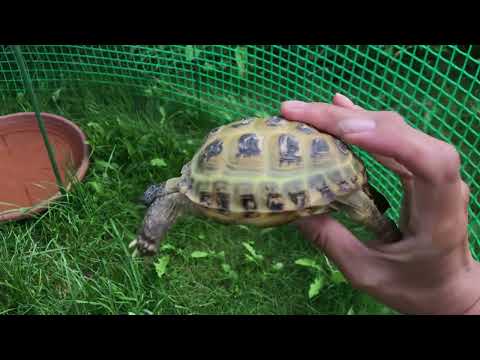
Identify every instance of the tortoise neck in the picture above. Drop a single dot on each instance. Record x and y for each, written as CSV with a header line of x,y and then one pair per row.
x,y
171,185
385,228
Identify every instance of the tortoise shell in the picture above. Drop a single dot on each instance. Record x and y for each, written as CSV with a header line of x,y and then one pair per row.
x,y
258,167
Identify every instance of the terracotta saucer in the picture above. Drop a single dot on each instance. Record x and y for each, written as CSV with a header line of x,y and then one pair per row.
x,y
27,181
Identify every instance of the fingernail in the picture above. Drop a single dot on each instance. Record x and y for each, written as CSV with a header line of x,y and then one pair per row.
x,y
294,106
356,125
344,97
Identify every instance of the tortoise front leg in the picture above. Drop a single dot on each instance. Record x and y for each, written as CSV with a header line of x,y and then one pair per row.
x,y
161,215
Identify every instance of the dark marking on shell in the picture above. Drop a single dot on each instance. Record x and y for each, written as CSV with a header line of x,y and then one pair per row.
x,y
344,186
223,201
305,129
327,193
242,122
213,149
342,147
336,176
248,145
205,198
293,186
248,202
319,148
338,179
317,182
289,148
275,121
299,199
220,186
274,202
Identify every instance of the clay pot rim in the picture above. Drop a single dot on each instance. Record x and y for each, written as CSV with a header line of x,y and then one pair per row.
x,y
16,215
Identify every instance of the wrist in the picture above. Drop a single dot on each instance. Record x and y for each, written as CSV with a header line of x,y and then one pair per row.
x,y
458,295
474,308
462,293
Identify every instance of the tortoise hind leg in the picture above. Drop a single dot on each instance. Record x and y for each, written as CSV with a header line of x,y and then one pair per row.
x,y
361,208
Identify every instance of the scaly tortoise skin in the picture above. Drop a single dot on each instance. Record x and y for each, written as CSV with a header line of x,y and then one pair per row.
x,y
264,172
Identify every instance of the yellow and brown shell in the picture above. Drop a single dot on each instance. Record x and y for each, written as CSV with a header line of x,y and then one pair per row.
x,y
269,171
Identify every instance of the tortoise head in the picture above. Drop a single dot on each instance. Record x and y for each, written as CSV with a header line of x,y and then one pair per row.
x,y
152,192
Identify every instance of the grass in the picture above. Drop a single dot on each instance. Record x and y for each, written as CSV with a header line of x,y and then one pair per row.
x,y
73,259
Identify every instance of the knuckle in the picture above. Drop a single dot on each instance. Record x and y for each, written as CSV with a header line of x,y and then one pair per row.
x,y
327,109
455,230
313,112
450,159
395,117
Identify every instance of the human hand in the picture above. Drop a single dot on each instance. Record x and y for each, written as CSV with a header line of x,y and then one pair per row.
x,y
430,270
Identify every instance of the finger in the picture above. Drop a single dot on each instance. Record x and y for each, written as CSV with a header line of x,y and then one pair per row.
x,y
465,194
339,244
404,173
406,206
379,243
466,198
383,133
392,164
343,101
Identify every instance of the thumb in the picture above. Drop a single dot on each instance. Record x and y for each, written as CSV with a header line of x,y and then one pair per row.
x,y
350,255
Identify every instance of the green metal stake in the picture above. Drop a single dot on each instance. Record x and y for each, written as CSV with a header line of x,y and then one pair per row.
x,y
28,84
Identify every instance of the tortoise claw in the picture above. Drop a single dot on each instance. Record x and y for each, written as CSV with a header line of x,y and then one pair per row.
x,y
133,244
142,248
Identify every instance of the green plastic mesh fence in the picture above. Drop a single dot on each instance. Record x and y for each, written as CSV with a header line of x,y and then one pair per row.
x,y
436,88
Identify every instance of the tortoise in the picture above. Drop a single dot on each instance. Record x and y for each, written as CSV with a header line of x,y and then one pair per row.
x,y
264,171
